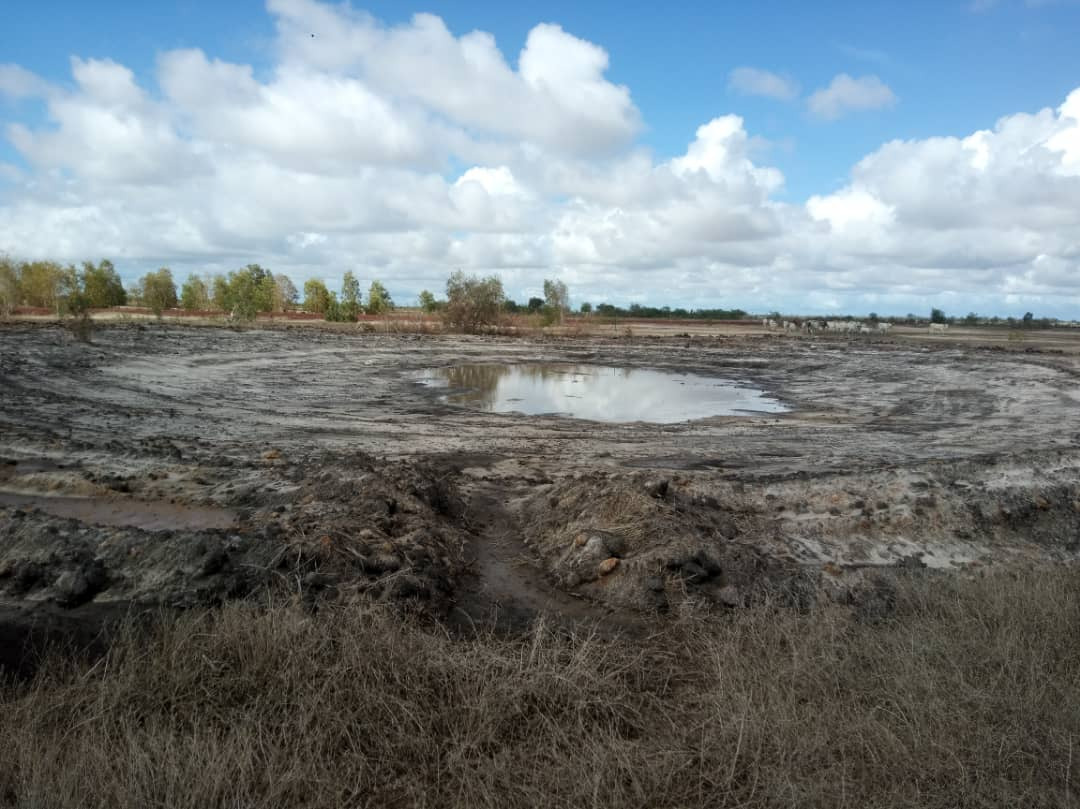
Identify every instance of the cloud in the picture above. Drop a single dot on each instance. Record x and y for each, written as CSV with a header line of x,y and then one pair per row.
x,y
846,94
17,82
558,97
756,82
383,150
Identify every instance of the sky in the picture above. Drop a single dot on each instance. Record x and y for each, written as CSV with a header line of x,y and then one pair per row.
x,y
810,158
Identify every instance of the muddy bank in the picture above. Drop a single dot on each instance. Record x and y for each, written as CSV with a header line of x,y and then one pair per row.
x,y
161,465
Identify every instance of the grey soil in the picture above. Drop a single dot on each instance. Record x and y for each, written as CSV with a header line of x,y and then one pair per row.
x,y
176,467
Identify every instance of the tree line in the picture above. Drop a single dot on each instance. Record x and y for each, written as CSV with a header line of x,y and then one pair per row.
x,y
471,302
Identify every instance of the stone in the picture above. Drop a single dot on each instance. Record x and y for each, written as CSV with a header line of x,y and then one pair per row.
x,y
213,562
658,488
596,547
608,566
72,588
729,596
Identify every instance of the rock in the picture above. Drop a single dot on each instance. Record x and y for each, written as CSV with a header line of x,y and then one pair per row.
x,y
596,547
729,596
615,544
658,488
272,455
72,588
213,562
580,540
654,584
608,566
1041,503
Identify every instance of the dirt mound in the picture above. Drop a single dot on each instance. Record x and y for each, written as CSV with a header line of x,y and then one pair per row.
x,y
391,529
647,543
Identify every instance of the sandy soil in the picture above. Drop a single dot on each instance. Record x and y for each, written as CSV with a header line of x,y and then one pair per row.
x,y
180,466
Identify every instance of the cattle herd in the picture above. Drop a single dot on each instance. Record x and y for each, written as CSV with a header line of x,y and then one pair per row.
x,y
812,326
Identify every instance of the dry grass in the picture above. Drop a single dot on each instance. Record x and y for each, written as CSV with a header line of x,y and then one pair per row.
x,y
967,695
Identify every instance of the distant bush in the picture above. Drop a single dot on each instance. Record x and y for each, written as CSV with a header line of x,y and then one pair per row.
x,y
472,302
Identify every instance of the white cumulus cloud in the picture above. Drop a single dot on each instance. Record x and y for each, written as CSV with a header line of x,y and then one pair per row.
x,y
845,94
754,81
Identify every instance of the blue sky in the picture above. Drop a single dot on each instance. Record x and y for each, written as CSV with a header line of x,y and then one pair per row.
x,y
955,68
951,69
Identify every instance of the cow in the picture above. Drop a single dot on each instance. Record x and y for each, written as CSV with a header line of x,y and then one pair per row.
x,y
939,328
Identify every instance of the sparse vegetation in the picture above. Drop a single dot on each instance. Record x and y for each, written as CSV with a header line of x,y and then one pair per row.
x,y
157,291
472,302
316,296
967,693
379,300
350,297
556,301
427,302
194,294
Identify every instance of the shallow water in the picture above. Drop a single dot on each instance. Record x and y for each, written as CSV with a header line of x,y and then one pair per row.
x,y
596,392
148,515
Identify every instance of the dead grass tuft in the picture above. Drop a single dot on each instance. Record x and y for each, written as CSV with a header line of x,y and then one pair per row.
x,y
968,694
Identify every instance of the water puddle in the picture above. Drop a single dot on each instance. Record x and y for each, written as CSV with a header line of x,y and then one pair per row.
x,y
596,392
149,516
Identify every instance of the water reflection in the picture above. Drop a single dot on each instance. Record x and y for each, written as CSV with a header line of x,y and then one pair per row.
x,y
599,393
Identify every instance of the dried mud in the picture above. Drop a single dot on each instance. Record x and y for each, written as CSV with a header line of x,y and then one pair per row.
x,y
171,467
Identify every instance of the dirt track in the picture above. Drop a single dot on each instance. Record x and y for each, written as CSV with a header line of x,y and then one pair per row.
x,y
307,459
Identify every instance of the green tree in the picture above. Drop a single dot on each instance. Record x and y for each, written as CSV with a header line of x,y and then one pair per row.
x,y
220,294
1028,320
158,291
971,319
39,283
350,296
194,295
586,308
335,312
9,286
248,293
316,296
556,297
472,302
427,302
285,294
102,285
379,301
535,304
937,316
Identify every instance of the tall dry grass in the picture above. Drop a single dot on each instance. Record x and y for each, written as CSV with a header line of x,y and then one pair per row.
x,y
966,695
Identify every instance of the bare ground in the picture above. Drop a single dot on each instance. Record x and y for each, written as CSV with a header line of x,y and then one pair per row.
x,y
185,466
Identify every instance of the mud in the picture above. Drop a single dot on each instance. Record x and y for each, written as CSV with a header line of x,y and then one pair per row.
x,y
164,465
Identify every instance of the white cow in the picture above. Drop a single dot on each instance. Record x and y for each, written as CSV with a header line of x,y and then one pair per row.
x,y
939,328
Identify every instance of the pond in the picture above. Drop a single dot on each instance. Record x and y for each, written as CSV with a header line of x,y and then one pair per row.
x,y
596,392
